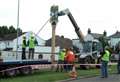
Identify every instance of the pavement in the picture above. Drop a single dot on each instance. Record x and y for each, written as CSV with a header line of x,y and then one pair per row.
x,y
111,78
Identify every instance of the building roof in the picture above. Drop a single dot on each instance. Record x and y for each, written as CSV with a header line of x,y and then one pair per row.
x,y
96,35
60,41
115,35
11,36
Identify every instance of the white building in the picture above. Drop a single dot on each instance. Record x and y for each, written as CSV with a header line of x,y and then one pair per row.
x,y
40,41
114,39
10,41
6,42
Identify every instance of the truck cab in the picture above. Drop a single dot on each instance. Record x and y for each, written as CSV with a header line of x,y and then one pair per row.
x,y
90,53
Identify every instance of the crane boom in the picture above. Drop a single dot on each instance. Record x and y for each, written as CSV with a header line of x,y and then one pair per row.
x,y
90,51
77,29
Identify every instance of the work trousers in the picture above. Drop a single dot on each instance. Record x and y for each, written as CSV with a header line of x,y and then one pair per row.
x,y
104,68
31,53
23,53
68,67
60,66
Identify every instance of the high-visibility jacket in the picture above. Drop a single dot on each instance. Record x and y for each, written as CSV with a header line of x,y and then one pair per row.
x,y
24,43
70,56
31,43
62,55
106,56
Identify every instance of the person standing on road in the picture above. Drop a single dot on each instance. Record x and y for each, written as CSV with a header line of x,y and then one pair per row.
x,y
32,42
104,63
24,48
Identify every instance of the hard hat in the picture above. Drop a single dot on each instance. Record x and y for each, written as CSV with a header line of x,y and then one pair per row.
x,y
64,49
24,37
31,36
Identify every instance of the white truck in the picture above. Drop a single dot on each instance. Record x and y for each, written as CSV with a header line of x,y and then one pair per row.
x,y
90,48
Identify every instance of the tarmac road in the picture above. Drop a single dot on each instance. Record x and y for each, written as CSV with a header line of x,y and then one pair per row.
x,y
111,78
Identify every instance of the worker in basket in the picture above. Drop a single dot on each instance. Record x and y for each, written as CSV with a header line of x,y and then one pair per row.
x,y
24,45
32,42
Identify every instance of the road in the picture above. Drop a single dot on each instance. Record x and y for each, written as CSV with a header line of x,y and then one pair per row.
x,y
111,78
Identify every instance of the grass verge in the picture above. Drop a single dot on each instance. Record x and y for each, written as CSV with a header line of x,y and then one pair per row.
x,y
52,76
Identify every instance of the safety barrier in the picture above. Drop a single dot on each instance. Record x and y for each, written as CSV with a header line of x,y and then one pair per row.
x,y
43,66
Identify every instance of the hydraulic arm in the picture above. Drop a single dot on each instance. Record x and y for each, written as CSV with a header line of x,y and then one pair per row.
x,y
77,29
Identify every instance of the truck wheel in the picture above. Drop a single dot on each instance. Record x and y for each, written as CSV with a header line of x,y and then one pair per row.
x,y
87,61
10,73
26,70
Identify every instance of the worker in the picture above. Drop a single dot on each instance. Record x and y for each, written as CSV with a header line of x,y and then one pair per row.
x,y
70,58
32,42
24,48
61,57
104,63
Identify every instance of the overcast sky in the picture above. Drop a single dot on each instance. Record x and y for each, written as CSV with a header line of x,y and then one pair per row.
x,y
99,15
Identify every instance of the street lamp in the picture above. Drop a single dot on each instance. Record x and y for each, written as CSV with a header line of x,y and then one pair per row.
x,y
17,27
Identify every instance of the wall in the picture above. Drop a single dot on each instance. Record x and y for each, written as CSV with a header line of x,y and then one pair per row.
x,y
114,41
6,44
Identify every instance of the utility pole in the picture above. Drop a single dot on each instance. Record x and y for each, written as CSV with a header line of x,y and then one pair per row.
x,y
17,28
53,21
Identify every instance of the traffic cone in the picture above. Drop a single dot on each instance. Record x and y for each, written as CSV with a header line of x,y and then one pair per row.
x,y
73,73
